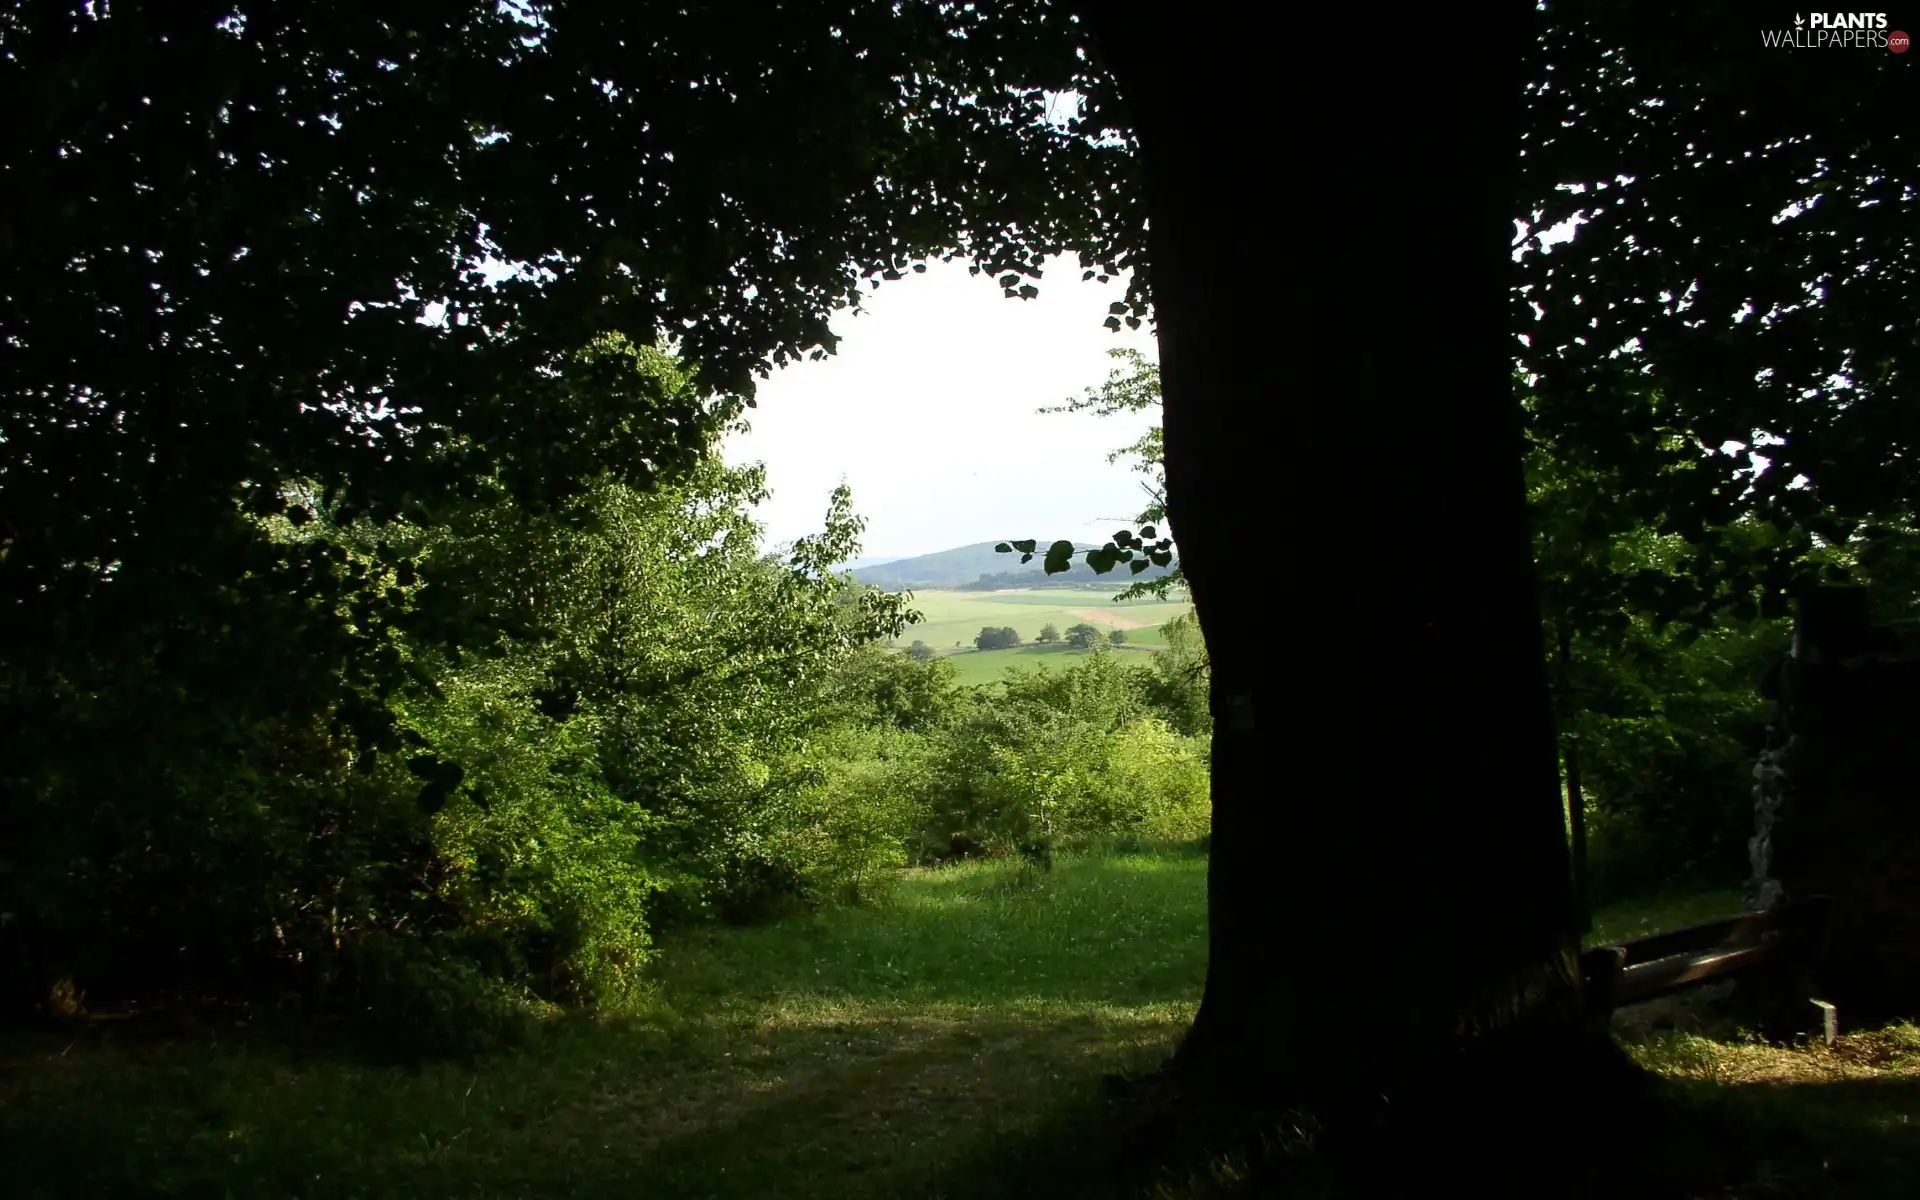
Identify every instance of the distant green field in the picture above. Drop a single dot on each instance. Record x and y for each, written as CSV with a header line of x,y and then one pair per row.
x,y
953,619
972,667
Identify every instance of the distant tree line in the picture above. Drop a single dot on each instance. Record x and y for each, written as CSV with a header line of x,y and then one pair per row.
x,y
1005,637
1080,578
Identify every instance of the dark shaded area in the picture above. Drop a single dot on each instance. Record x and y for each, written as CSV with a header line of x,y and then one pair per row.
x,y
1503,1132
1836,817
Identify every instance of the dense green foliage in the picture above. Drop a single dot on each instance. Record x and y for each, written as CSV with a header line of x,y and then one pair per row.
x,y
602,731
1666,730
1660,720
378,628
1739,283
1079,754
371,625
609,714
616,713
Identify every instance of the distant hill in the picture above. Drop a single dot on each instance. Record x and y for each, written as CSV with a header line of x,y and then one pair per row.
x,y
978,566
943,568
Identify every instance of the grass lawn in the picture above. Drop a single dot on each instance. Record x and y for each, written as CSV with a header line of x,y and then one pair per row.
x,y
865,1052
914,1048
1637,918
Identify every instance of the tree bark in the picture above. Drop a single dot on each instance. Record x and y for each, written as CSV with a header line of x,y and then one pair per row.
x,y
1576,793
1330,246
1844,824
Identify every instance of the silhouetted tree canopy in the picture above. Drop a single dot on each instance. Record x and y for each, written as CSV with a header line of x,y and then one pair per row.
x,y
1742,276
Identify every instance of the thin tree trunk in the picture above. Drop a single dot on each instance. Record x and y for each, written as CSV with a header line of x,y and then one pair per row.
x,y
1576,796
1330,254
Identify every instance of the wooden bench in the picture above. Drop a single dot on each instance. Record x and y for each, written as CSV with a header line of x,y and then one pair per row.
x,y
1648,967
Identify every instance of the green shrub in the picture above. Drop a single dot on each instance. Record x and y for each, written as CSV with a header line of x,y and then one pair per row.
x,y
1667,731
1073,757
538,866
847,827
416,996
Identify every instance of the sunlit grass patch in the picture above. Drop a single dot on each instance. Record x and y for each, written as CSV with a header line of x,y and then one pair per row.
x,y
854,1052
998,935
1658,913
918,1047
1889,1053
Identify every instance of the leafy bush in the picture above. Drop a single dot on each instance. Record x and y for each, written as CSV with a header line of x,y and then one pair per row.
x,y
185,799
420,997
527,736
1666,731
848,827
1177,685
1075,755
538,868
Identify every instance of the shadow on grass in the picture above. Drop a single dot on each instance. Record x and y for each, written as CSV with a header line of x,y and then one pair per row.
x,y
951,1043
1686,1141
856,1053
1854,1138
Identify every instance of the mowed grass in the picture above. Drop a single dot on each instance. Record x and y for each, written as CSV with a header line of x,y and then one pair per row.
x,y
941,1043
857,1052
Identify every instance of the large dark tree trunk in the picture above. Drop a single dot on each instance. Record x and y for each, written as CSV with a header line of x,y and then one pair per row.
x,y
1330,248
1834,810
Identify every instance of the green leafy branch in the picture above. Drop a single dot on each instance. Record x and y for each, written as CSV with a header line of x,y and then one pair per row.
x,y
1138,551
1132,386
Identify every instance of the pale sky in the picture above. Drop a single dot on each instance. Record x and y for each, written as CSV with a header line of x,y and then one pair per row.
x,y
928,413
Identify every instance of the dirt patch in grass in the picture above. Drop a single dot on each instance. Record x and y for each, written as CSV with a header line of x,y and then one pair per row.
x,y
1107,616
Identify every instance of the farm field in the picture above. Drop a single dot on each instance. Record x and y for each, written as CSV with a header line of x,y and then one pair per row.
x,y
974,667
954,618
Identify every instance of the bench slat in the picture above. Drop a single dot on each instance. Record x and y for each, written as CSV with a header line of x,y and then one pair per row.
x,y
1630,972
1644,981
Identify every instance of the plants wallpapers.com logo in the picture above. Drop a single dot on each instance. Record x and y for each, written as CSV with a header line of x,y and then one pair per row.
x,y
1838,31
